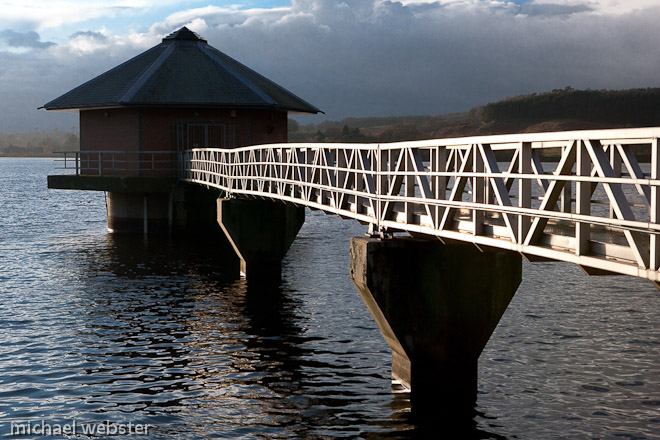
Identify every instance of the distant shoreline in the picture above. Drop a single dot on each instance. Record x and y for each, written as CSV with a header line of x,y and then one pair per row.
x,y
29,157
559,110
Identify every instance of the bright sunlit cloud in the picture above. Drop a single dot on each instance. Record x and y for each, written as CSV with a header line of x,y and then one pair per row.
x,y
40,15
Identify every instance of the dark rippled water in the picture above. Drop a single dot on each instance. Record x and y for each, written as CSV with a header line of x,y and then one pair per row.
x,y
102,329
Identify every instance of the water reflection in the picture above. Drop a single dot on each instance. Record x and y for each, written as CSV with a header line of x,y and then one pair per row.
x,y
156,332
428,420
169,339
96,327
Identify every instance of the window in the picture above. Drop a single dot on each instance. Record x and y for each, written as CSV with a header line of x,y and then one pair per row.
x,y
205,136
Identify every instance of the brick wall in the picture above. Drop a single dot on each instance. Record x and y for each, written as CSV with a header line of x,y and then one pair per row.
x,y
150,130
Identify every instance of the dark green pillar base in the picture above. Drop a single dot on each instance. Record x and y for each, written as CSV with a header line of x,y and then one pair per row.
x,y
261,232
436,305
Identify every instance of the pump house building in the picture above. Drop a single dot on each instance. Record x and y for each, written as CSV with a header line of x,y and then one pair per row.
x,y
181,94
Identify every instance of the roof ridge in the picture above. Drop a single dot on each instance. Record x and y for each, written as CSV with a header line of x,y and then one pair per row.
x,y
147,74
184,34
101,76
263,95
211,48
183,70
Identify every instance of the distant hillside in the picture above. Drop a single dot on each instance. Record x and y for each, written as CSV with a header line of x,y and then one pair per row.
x,y
381,129
562,109
37,143
559,110
639,107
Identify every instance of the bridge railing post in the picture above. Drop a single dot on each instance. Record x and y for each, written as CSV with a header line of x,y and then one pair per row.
x,y
524,189
478,190
409,184
582,198
655,204
381,183
230,174
438,164
616,163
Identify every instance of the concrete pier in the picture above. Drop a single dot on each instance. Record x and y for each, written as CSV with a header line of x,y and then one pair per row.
x,y
261,233
139,213
436,305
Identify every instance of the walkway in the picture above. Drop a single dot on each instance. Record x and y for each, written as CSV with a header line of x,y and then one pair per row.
x,y
587,197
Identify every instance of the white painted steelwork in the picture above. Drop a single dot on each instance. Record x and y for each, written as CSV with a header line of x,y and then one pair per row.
x,y
587,197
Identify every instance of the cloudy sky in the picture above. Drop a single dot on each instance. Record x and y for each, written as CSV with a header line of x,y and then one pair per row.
x,y
347,57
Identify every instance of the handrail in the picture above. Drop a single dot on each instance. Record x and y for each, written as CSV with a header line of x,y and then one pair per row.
x,y
118,162
588,197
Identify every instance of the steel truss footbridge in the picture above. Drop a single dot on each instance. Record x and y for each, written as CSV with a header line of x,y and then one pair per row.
x,y
586,197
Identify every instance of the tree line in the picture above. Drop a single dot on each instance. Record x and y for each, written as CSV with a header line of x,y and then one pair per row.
x,y
639,107
378,129
38,143
560,109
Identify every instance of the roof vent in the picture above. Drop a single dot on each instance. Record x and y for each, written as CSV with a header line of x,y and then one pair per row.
x,y
184,34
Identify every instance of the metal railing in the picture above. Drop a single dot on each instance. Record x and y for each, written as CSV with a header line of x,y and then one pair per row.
x,y
587,197
99,163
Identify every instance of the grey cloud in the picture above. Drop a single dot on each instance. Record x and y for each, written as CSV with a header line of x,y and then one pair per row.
x,y
89,34
29,40
553,10
383,58
392,59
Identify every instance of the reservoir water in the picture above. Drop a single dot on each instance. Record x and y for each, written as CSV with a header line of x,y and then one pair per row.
x,y
100,329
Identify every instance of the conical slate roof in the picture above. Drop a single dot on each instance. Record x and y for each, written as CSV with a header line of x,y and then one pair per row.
x,y
183,70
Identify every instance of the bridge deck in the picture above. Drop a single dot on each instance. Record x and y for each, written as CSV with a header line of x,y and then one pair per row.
x,y
587,197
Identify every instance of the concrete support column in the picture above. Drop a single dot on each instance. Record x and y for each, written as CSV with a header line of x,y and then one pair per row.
x,y
261,232
139,213
436,305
